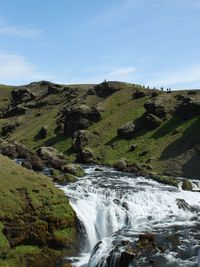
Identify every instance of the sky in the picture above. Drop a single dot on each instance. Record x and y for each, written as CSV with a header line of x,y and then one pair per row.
x,y
148,42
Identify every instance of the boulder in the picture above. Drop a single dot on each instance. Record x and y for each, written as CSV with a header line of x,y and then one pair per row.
x,y
16,111
182,204
81,139
79,118
138,94
155,109
121,164
43,132
23,94
126,131
60,129
87,156
188,108
73,169
8,129
8,149
27,165
36,162
132,147
152,121
52,157
105,89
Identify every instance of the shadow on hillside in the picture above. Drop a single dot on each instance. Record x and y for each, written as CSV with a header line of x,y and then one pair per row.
x,y
54,140
192,168
187,141
168,127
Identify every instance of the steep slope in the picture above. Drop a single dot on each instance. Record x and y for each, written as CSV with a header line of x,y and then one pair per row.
x,y
36,220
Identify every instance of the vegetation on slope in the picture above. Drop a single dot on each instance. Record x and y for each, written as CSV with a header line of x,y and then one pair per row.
x,y
36,220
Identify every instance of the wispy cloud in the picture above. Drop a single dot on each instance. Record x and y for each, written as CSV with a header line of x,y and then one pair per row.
x,y
189,75
20,31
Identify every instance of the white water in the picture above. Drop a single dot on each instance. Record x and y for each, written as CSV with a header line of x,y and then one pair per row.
x,y
111,204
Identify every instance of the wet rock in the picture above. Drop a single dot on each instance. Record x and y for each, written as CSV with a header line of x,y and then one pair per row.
x,y
126,131
52,157
187,185
43,132
182,204
155,109
152,121
80,118
139,94
98,169
81,139
36,163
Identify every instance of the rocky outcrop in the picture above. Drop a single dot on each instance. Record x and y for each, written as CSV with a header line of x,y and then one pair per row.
x,y
126,131
79,118
86,156
15,111
138,94
20,95
81,139
105,89
155,109
8,129
187,185
188,108
52,157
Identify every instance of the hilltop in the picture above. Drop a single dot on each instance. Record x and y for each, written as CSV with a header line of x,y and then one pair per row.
x,y
144,130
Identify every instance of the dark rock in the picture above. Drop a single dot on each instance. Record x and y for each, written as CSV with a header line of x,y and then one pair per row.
x,y
16,111
138,94
105,89
144,153
126,131
52,90
8,149
8,129
155,109
36,163
192,92
152,121
188,108
98,169
20,95
79,118
154,94
43,132
60,129
81,139
27,165
132,147
182,204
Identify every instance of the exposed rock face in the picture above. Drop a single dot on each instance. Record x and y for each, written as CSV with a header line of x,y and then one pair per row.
x,y
105,89
188,108
152,121
8,128
16,111
23,94
79,118
155,109
126,131
73,169
139,94
52,157
81,139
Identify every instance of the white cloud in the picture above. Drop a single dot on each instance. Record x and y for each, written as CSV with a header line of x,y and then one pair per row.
x,y
20,31
15,69
188,76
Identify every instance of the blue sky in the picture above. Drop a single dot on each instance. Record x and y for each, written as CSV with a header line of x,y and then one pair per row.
x,y
151,42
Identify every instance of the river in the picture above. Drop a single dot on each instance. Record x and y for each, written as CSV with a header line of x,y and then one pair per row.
x,y
115,207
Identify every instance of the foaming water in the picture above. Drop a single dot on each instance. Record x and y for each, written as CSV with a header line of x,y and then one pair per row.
x,y
113,206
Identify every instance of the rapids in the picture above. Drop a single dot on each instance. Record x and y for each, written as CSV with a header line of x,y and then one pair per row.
x,y
114,206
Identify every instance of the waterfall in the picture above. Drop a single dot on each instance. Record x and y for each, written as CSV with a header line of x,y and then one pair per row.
x,y
113,205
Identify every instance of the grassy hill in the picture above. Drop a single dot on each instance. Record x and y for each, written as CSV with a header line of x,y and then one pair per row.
x,y
172,148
